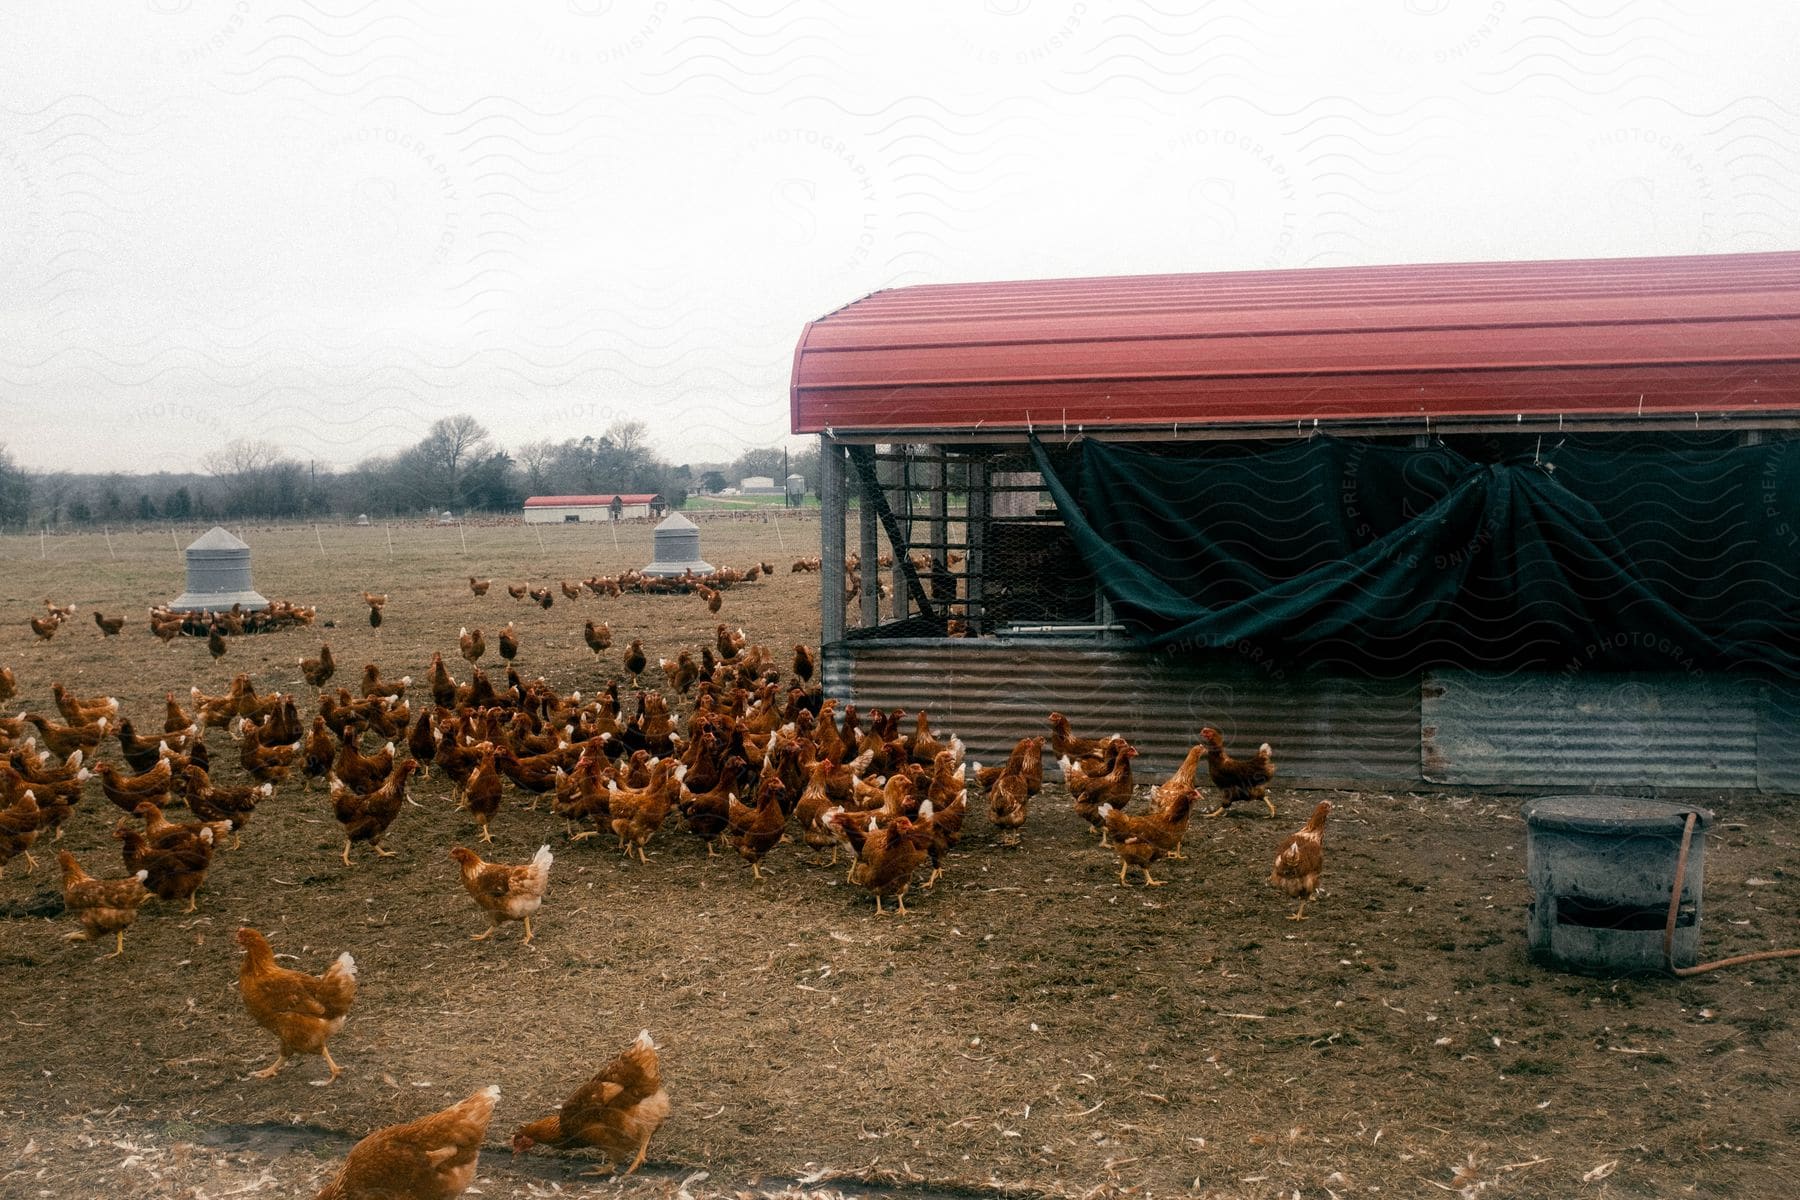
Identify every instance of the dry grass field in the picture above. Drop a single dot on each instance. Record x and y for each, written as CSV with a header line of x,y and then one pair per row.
x,y
1030,1027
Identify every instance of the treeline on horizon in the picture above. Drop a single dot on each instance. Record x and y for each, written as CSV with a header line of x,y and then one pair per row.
x,y
457,466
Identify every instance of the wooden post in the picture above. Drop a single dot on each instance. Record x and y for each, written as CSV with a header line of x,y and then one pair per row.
x,y
319,540
831,542
109,550
464,534
389,530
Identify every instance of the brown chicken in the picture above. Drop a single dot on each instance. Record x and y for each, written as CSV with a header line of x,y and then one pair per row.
x,y
109,626
175,720
1163,799
366,818
756,831
730,644
470,643
1237,778
637,813
103,905
505,893
1027,758
317,752
484,789
317,670
214,803
127,791
1142,839
708,813
302,1010
803,664
1300,859
45,627
943,830
598,637
1113,785
215,644
1064,743
372,684
480,586
1008,800
56,797
362,773
174,871
635,661
9,684
80,710
64,740
888,857
18,829
432,1158
509,642
616,1111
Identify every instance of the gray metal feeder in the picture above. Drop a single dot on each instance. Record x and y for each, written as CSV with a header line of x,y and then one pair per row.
x,y
678,548
218,575
1601,869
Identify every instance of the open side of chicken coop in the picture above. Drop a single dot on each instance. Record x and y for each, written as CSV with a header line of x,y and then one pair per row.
x,y
1162,502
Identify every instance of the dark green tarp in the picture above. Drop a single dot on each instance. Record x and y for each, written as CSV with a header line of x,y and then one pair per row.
x,y
1344,554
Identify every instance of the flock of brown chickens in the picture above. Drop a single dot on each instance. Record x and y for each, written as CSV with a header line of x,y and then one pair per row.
x,y
761,758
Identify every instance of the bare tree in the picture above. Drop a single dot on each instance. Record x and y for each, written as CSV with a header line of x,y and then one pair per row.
x,y
244,469
536,458
626,437
15,490
450,447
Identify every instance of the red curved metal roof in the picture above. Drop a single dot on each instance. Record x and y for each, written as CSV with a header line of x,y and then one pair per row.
x,y
590,501
1653,337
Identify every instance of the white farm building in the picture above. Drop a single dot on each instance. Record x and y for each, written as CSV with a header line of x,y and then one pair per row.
x,y
559,510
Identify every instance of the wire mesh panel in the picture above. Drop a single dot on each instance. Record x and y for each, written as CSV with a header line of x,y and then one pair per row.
x,y
957,541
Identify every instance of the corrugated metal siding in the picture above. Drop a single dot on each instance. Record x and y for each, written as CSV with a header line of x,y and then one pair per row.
x,y
991,692
1550,730
1708,333
1778,738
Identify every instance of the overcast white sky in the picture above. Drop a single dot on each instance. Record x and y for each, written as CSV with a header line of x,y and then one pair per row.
x,y
325,223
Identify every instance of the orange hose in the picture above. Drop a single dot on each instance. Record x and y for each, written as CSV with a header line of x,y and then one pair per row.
x,y
1687,836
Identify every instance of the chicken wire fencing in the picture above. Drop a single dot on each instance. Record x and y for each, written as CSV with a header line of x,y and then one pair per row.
x,y
951,541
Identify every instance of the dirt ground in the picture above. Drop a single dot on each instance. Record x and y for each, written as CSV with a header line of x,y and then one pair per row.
x,y
1030,1026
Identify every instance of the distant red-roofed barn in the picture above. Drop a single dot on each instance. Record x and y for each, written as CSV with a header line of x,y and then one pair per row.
x,y
612,506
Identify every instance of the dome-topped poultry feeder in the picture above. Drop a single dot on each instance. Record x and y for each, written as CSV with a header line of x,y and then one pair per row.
x,y
1601,869
678,548
218,575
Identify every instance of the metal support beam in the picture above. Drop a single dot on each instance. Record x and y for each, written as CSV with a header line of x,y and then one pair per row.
x,y
869,548
938,501
831,541
975,567
903,488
